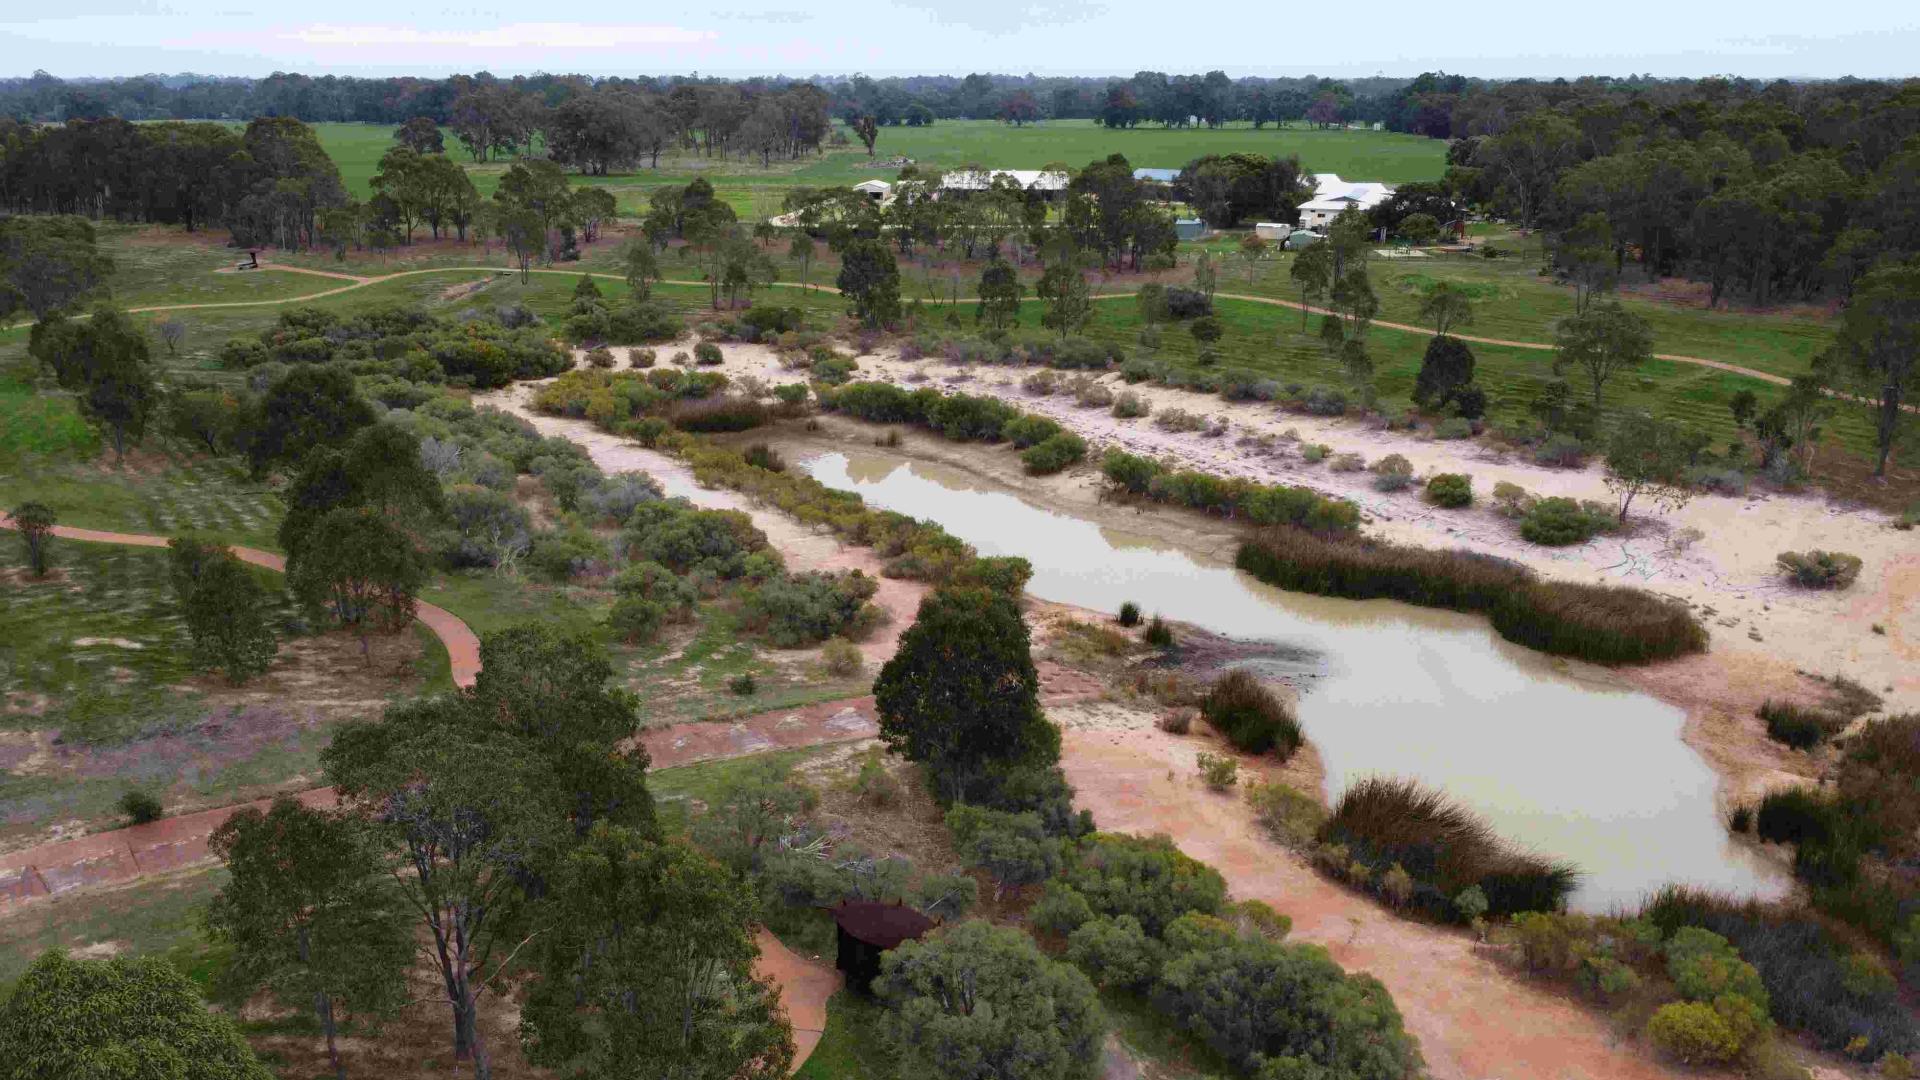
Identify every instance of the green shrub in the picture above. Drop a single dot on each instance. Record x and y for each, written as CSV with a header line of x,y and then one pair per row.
x,y
141,807
1392,473
1451,490
1250,716
1116,953
1147,878
1256,504
743,684
1289,817
1220,771
1014,849
842,658
1129,614
832,370
1559,522
1816,569
1693,1033
1054,454
600,356
1029,429
1454,427
641,359
1158,634
804,609
707,354
1129,406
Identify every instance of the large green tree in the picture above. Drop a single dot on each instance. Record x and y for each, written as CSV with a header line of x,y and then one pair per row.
x,y
47,263
977,1000
118,1019
1877,351
311,406
360,569
225,607
1000,293
471,822
961,695
312,915
106,361
1647,456
870,280
1063,288
646,969
1602,341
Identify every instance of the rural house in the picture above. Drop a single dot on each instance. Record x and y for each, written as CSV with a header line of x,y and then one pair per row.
x,y
1332,195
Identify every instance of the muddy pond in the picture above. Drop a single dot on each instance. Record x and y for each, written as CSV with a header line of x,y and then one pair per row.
x,y
1568,765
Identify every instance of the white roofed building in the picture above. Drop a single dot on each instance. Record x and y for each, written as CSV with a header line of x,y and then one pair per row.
x,y
1049,183
1332,196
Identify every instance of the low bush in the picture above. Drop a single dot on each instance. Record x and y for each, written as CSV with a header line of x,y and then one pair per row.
x,y
1454,427
1147,878
1816,569
1158,634
721,413
1250,716
1511,501
1382,822
1029,429
797,610
1219,771
707,354
743,684
1561,452
1089,394
842,658
1179,420
1321,401
1054,454
642,358
141,807
1451,490
1347,463
1315,453
1393,473
1129,614
1257,504
1289,817
600,356
1560,522
832,370
1128,405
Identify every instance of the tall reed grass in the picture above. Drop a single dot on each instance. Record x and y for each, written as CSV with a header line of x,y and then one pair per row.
x,y
1605,624
1444,847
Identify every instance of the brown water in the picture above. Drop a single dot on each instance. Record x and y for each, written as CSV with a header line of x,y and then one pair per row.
x,y
1572,766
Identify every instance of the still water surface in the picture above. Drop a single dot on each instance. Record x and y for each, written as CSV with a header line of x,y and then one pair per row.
x,y
1577,768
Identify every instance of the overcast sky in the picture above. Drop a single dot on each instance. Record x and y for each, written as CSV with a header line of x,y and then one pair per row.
x,y
1499,38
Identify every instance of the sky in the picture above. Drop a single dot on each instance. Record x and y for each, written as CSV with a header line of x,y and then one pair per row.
x,y
1491,38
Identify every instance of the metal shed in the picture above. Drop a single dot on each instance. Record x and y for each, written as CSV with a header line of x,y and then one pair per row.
x,y
1189,228
864,929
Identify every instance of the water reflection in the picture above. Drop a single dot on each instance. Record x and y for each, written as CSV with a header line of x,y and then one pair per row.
x,y
1574,767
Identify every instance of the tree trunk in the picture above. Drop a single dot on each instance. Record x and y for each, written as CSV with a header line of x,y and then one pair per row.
x,y
323,1005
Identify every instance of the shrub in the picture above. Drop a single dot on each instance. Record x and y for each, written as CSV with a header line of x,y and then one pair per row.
x,y
707,354
1796,815
842,658
1454,427
642,358
1184,303
1321,401
600,356
1147,878
1289,817
1116,953
1693,1033
1158,634
1089,394
1451,490
1014,849
141,807
1392,473
1179,420
762,456
832,370
1799,727
1042,383
1250,716
1177,721
1816,569
1054,454
1383,822
1561,452
1347,463
1315,453
1220,771
743,684
1511,501
803,609
721,413
1128,405
1560,522
1129,614
1028,429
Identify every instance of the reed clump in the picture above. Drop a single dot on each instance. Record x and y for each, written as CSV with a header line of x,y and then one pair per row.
x,y
1250,716
1384,822
1605,624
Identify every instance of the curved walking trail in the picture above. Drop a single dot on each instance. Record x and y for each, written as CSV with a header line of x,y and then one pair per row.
x,y
463,647
358,281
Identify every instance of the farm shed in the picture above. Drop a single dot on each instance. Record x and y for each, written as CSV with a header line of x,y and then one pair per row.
x,y
1271,230
1189,228
877,190
864,929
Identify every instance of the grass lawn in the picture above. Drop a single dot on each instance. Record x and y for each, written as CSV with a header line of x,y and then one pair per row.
x,y
154,916
850,1048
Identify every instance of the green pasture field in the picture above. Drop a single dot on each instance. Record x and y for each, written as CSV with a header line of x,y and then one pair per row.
x,y
1357,155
